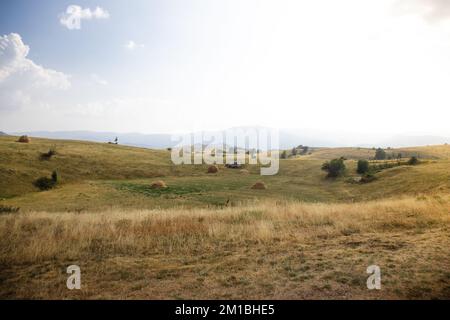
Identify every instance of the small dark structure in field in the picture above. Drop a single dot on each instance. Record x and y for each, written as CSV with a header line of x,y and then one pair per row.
x,y
24,139
158,185
235,165
213,169
259,185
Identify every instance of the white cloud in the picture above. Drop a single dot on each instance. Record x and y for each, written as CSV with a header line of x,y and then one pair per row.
x,y
21,80
431,10
131,45
98,80
74,14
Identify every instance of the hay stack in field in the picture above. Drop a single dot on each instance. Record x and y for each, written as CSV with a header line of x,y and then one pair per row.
x,y
213,169
158,185
259,185
24,139
244,171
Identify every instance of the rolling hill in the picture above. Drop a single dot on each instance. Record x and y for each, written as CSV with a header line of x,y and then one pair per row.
x,y
100,175
210,236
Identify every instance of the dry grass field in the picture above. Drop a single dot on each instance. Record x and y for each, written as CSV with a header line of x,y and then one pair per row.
x,y
210,236
264,250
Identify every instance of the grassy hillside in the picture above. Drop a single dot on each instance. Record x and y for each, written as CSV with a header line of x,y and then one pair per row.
x,y
211,235
428,152
97,176
20,163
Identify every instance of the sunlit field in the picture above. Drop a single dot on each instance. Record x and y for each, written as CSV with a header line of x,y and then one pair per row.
x,y
211,236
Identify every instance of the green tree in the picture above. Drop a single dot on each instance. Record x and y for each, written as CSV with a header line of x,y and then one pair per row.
x,y
413,161
335,167
363,166
380,154
284,154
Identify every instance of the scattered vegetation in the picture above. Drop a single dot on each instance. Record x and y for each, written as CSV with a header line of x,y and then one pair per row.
x,y
335,167
45,183
8,209
362,167
380,154
303,237
413,161
367,177
48,155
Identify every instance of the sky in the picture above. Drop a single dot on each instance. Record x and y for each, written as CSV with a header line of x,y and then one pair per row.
x,y
372,67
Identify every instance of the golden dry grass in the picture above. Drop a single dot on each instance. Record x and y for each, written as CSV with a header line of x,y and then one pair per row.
x,y
261,250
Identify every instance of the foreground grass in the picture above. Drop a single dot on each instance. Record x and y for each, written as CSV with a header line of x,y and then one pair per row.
x,y
273,249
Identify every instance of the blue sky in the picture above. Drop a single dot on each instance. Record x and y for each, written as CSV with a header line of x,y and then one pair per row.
x,y
171,66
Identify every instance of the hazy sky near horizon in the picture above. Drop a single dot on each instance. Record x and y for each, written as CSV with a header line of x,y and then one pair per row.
x,y
180,65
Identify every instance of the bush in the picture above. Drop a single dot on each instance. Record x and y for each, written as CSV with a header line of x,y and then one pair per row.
x,y
55,176
368,177
335,167
283,155
47,155
413,161
363,166
8,209
45,183
380,154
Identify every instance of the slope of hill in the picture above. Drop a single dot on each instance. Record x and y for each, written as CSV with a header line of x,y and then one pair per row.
x,y
96,176
304,237
426,152
20,163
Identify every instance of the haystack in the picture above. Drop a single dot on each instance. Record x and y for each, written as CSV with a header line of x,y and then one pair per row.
x,y
259,185
158,185
244,171
213,169
24,139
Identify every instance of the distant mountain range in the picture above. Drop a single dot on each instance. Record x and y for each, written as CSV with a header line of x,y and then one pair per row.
x,y
288,138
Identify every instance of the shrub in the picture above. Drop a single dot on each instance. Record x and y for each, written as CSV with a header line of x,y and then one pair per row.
x,y
413,161
335,167
363,166
55,176
47,155
283,155
45,183
380,154
368,177
8,209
